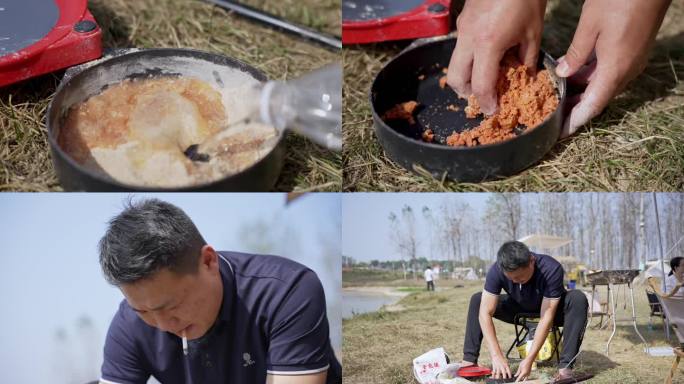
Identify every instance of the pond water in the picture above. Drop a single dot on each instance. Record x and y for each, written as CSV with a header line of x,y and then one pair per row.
x,y
356,303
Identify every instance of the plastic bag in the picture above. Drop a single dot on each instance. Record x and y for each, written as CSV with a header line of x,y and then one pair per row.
x,y
427,366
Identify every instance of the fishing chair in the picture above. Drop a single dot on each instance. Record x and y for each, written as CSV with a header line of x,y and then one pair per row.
x,y
522,322
673,312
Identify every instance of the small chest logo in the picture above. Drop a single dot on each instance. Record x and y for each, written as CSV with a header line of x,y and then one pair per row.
x,y
248,360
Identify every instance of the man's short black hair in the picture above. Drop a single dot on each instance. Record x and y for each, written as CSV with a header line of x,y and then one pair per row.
x,y
513,255
145,237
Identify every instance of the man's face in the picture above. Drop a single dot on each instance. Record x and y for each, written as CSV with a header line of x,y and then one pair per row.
x,y
523,274
179,303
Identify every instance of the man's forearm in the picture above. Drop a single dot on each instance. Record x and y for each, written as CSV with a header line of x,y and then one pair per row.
x,y
489,333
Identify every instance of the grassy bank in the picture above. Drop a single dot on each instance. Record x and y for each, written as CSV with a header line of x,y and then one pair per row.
x,y
379,347
375,278
24,156
367,277
636,144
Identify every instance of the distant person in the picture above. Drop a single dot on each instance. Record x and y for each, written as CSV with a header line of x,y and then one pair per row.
x,y
195,315
609,49
675,279
533,284
429,279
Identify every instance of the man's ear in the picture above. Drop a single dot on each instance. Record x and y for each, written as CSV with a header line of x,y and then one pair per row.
x,y
209,258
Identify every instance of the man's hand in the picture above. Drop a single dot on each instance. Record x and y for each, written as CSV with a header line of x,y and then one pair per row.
x,y
524,369
609,49
500,368
486,30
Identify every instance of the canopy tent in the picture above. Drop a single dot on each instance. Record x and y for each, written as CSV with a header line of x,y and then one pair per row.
x,y
547,242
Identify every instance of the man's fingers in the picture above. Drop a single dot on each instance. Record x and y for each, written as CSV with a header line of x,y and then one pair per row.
x,y
598,94
485,73
584,75
580,49
528,54
460,68
505,371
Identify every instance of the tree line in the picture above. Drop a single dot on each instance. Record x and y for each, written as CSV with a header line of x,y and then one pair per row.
x,y
608,230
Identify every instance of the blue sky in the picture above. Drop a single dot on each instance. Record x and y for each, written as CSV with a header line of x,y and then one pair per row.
x,y
365,223
50,276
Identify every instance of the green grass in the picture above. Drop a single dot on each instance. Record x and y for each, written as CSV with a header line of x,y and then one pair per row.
x,y
410,289
25,163
434,319
636,144
369,276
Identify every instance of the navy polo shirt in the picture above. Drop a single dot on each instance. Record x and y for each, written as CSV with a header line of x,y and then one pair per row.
x,y
546,282
272,320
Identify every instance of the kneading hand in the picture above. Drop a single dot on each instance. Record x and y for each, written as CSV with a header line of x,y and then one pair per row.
x,y
486,30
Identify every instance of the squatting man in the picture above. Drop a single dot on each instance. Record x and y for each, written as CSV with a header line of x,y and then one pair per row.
x,y
533,283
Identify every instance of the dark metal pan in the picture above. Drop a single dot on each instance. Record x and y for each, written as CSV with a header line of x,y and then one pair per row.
x,y
399,82
212,68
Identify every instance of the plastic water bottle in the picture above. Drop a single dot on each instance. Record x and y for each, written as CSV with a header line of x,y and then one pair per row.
x,y
310,105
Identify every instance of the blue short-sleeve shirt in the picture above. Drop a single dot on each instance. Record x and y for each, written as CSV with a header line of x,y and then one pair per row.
x,y
272,320
546,282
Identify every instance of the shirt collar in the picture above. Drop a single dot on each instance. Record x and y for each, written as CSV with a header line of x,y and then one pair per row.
x,y
229,289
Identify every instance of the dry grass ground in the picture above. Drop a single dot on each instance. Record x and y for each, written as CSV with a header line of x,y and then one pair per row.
x,y
379,347
24,156
636,144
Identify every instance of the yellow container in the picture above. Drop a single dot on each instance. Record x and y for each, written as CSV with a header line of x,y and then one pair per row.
x,y
547,351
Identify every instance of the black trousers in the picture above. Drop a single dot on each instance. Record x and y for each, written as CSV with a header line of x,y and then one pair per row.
x,y
430,285
571,315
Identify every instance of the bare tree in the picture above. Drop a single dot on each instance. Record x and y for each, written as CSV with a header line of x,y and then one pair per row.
x,y
605,227
450,231
433,229
503,212
404,236
456,225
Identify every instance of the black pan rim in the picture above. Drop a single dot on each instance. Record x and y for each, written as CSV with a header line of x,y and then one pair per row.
x,y
561,88
215,58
